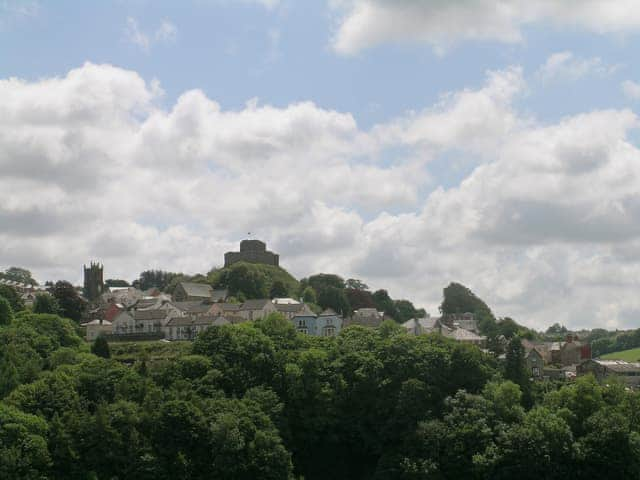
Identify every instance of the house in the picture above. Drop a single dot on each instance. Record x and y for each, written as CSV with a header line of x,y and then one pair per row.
x,y
464,336
289,301
533,360
467,321
562,354
139,322
255,309
126,296
327,324
428,325
367,317
628,372
290,310
225,309
97,327
123,323
196,307
422,326
188,291
188,328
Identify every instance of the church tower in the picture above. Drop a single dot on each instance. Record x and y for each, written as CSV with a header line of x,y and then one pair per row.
x,y
93,281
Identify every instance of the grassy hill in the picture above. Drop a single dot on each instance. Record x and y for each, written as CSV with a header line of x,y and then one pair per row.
x,y
253,280
632,355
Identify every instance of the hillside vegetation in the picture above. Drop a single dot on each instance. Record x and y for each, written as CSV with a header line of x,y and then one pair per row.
x,y
251,280
631,355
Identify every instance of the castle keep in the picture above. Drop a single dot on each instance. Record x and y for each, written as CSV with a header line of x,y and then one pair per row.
x,y
252,251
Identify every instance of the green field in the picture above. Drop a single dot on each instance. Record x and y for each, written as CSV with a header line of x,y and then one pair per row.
x,y
632,355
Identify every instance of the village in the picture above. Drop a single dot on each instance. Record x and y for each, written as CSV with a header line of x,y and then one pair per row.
x,y
130,314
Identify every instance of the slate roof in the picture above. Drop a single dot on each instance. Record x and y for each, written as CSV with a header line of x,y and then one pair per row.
x,y
197,289
257,304
230,307
201,320
192,306
219,295
620,366
461,334
150,314
289,307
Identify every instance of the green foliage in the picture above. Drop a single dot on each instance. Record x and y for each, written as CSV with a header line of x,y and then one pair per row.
x,y
114,282
71,304
334,298
632,355
459,299
252,280
406,311
23,445
14,298
100,347
278,289
6,312
359,298
384,303
45,303
355,284
321,281
18,274
155,279
309,295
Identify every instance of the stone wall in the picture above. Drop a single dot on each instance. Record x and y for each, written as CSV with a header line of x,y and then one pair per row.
x,y
252,251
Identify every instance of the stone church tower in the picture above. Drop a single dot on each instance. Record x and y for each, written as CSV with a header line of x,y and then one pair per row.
x,y
93,281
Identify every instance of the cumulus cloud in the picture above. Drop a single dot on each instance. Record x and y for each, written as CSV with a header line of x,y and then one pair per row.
x,y
545,228
366,23
565,66
631,89
165,33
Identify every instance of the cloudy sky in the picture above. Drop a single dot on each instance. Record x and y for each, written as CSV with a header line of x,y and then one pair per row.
x,y
408,143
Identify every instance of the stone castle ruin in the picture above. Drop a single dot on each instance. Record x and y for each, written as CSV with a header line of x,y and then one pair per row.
x,y
252,251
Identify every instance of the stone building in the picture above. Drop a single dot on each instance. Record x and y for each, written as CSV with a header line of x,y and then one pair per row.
x,y
628,372
93,281
252,251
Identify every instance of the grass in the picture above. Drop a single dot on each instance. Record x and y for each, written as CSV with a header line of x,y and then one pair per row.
x,y
632,355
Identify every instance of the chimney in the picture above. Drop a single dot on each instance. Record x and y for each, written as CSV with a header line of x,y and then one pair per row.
x,y
569,337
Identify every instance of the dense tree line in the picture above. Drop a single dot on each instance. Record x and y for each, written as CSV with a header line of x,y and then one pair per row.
x,y
259,400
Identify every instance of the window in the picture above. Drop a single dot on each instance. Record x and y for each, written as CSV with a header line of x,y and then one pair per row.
x,y
303,330
535,371
329,331
301,323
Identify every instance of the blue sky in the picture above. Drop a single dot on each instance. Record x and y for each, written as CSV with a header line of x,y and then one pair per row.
x,y
409,143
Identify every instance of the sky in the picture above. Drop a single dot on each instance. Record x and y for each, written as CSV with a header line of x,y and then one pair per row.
x,y
407,143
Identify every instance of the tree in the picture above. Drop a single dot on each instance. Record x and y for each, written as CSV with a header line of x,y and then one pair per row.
x,y
70,303
385,304
459,299
355,284
334,298
100,347
359,298
6,312
14,298
18,274
45,303
154,278
407,311
8,374
309,295
278,290
114,282
321,281
515,368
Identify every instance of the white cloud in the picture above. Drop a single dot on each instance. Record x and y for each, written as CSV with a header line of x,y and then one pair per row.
x,y
366,23
165,33
545,228
631,89
565,66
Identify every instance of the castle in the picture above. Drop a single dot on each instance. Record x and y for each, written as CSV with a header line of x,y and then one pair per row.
x,y
93,281
252,251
